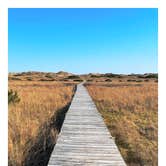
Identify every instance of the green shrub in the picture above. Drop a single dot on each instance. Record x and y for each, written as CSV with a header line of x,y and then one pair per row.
x,y
49,76
95,76
74,77
131,80
79,80
108,80
139,80
152,76
111,75
14,78
13,97
29,78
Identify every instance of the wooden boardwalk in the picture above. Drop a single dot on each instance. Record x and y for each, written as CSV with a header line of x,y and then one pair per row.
x,y
84,139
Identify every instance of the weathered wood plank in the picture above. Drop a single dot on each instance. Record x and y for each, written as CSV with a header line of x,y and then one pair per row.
x,y
84,138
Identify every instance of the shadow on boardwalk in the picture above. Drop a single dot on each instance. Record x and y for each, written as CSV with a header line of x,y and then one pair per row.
x,y
38,150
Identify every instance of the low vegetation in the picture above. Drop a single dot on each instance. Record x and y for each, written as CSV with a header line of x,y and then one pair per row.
x,y
35,119
130,112
94,77
13,97
38,102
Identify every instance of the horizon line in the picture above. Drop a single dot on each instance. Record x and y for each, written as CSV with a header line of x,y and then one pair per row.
x,y
79,73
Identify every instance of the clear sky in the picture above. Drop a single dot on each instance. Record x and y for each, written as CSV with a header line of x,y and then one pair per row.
x,y
83,40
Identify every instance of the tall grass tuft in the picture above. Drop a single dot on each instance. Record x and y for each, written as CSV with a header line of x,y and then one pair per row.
x,y
13,97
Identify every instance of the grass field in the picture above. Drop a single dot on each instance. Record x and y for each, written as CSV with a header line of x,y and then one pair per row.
x,y
32,125
130,111
128,104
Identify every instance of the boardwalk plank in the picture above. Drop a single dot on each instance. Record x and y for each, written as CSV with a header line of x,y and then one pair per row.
x,y
84,138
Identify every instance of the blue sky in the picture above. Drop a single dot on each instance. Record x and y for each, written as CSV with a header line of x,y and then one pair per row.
x,y
83,40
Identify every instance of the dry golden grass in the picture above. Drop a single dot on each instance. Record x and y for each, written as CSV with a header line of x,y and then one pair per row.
x,y
39,103
130,112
